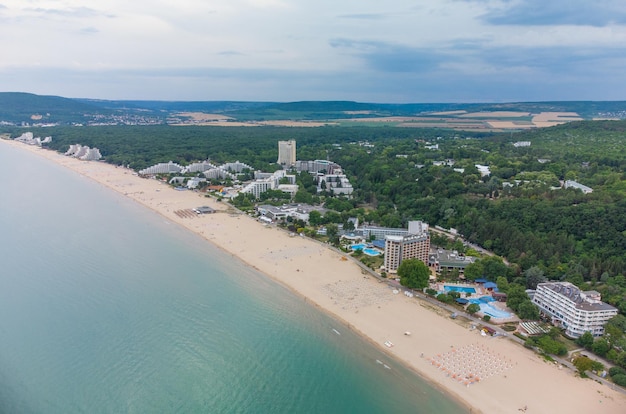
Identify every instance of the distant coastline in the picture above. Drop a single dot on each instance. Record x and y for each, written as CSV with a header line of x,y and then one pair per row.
x,y
368,307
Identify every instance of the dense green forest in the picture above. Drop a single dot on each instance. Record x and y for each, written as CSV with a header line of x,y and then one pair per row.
x,y
566,234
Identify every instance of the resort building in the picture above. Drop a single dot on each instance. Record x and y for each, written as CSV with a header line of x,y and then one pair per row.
x,y
336,183
446,260
287,153
577,311
218,174
296,211
317,166
162,168
267,181
29,139
379,233
574,184
483,170
199,167
83,153
413,244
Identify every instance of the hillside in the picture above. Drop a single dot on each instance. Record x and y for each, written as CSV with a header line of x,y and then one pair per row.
x,y
18,107
28,109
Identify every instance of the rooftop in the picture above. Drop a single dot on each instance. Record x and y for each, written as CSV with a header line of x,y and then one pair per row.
x,y
589,301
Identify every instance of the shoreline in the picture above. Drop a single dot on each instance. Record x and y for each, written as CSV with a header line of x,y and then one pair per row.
x,y
364,304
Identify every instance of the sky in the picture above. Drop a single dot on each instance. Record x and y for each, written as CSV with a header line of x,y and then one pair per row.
x,y
397,51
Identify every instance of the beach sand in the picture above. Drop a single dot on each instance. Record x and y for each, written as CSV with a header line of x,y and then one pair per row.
x,y
512,377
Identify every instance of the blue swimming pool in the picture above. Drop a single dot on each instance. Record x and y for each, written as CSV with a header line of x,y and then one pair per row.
x,y
489,309
371,252
484,299
367,250
464,289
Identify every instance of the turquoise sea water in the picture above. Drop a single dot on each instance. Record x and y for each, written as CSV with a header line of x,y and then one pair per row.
x,y
106,307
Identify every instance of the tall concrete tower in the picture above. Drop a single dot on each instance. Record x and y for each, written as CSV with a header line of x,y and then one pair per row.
x,y
287,153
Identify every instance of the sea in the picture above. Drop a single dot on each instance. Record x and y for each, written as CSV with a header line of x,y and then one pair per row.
x,y
107,307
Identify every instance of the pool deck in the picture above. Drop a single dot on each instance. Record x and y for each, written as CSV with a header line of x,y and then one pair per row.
x,y
480,292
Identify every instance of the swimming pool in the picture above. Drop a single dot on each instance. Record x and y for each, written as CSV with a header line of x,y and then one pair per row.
x,y
371,252
489,309
483,299
367,250
464,289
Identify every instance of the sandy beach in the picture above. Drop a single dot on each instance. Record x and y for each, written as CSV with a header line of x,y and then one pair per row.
x,y
450,354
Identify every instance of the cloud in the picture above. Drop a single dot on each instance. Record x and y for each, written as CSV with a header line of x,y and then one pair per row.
x,y
230,53
391,57
89,30
440,50
75,12
363,16
549,12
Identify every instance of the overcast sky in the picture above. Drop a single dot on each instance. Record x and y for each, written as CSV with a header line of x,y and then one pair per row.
x,y
290,50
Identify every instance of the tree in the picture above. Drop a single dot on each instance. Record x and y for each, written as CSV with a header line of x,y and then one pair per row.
x,y
585,340
515,296
413,274
528,311
473,271
534,276
583,364
443,297
348,225
473,308
493,267
315,218
600,347
332,231
503,284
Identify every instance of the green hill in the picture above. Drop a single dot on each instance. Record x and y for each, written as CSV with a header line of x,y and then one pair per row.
x,y
18,107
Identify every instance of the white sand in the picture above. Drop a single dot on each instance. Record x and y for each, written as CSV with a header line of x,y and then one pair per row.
x,y
511,376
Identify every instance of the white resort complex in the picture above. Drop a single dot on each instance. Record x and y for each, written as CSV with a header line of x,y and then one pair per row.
x,y
327,174
577,311
83,152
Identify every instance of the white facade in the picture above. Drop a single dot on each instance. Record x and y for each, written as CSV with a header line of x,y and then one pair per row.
x,y
218,173
287,152
579,186
83,152
335,183
577,311
272,182
379,233
28,138
199,167
162,168
236,167
317,166
483,170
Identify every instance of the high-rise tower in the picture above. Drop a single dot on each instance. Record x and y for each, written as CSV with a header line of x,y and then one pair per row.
x,y
287,152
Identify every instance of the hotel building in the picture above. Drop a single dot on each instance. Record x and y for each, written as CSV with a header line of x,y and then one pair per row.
x,y
287,152
577,311
409,246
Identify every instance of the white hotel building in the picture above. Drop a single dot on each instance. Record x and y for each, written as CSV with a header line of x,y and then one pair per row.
x,y
577,311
